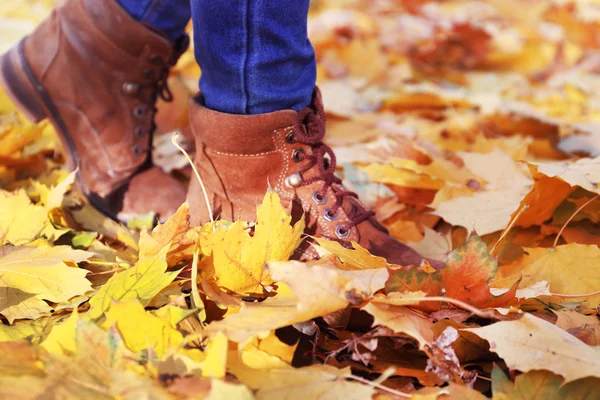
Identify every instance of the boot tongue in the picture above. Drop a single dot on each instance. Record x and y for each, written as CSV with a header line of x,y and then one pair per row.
x,y
238,134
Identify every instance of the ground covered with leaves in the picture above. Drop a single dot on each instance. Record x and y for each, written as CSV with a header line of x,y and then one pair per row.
x,y
472,128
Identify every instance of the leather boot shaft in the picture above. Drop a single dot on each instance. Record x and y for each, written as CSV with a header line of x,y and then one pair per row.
x,y
240,157
106,53
96,73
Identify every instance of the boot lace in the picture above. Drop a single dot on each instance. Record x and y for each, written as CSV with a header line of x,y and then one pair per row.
x,y
155,85
309,129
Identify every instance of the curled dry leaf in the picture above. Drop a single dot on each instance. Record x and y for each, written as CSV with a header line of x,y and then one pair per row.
x,y
530,343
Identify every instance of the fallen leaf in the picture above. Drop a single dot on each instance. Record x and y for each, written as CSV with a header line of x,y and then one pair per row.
x,y
238,258
308,383
584,172
30,275
356,258
542,385
158,335
569,269
466,277
402,320
142,282
317,290
490,209
21,221
221,390
530,343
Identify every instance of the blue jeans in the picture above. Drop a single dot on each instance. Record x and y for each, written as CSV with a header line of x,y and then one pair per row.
x,y
255,55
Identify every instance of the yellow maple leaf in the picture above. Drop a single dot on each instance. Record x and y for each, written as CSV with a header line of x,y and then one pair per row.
x,y
61,339
30,275
22,222
356,258
569,269
216,357
171,233
142,330
142,282
317,290
237,259
404,177
267,353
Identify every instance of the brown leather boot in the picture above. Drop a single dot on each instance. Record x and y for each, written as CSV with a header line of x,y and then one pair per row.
x,y
96,74
240,156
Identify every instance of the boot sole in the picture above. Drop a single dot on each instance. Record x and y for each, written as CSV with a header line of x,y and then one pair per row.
x,y
25,90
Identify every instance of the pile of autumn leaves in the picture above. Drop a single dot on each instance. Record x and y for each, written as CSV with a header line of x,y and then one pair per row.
x,y
95,323
92,309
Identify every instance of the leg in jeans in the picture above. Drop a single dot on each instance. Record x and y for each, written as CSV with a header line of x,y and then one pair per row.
x,y
255,55
167,16
260,126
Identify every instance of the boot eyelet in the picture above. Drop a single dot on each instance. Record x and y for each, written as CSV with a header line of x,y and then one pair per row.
x,y
139,132
130,88
139,111
329,216
342,232
319,198
294,180
154,58
290,137
297,155
138,150
149,73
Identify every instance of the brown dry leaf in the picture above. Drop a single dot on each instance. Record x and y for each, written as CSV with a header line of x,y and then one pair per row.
x,y
530,343
584,327
402,320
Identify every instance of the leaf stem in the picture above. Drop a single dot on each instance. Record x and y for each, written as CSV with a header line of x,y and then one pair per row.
x,y
573,216
575,295
175,139
378,386
509,227
456,302
196,300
